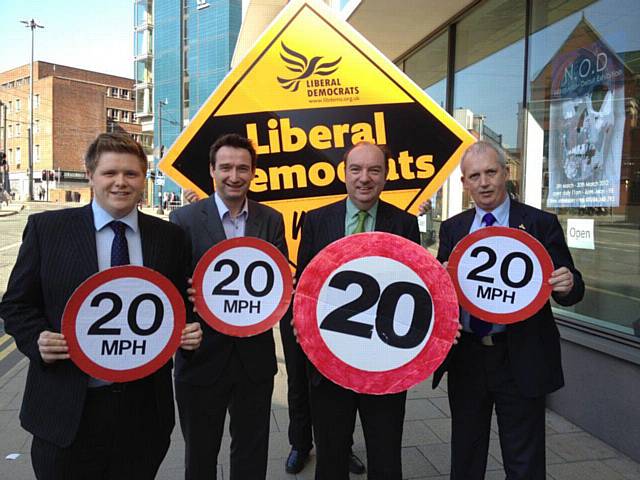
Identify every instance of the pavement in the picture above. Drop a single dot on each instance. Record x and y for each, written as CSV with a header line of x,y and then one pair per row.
x,y
11,209
572,454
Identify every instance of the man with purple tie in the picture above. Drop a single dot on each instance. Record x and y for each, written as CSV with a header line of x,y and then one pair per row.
x,y
511,367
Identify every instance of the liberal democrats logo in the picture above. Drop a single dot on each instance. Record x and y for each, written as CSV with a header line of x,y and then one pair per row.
x,y
299,64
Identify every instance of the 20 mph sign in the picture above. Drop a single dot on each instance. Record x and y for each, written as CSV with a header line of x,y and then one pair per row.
x,y
375,313
244,286
123,323
501,274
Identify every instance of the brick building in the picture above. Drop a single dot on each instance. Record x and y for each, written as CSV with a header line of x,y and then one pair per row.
x,y
71,107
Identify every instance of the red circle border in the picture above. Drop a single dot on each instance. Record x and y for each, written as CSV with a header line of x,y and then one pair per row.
x,y
394,247
530,241
209,257
81,293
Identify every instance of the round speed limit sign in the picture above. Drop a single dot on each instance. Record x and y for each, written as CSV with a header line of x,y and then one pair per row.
x,y
243,286
375,313
501,274
123,323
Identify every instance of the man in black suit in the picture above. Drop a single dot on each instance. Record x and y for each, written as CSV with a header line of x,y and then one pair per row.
x,y
334,408
228,372
84,427
511,367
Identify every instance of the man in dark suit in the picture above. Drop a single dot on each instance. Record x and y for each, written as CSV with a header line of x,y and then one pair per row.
x,y
511,367
84,427
228,372
334,408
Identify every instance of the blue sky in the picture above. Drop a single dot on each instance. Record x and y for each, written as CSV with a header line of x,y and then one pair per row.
x,y
91,34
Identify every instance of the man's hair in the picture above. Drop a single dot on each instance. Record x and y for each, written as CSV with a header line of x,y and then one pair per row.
x,y
386,153
481,146
116,143
235,141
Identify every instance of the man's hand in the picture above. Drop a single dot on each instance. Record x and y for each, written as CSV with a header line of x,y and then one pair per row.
x,y
191,196
458,334
561,281
191,336
52,347
191,293
424,207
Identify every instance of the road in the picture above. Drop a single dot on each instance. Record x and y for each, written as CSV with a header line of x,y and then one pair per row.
x,y
11,228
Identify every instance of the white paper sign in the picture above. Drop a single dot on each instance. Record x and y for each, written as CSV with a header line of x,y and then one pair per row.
x,y
581,233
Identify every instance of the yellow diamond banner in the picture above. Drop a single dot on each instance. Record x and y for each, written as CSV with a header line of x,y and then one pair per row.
x,y
309,89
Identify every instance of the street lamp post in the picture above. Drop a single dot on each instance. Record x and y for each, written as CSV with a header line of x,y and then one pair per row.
x,y
32,25
161,103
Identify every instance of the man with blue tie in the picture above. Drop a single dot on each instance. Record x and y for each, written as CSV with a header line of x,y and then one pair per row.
x,y
510,367
85,427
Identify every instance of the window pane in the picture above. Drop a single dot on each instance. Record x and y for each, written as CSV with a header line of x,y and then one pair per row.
x,y
489,77
583,104
428,68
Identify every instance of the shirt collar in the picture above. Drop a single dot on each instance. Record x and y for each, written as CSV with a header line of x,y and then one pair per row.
x,y
352,210
501,212
224,210
102,218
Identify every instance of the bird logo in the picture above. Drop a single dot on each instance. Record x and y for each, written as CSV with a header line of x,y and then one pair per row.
x,y
298,63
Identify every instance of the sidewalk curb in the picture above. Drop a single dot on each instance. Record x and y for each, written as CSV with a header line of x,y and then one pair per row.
x,y
13,371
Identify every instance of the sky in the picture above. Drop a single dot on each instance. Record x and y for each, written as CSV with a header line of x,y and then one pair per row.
x,y
91,34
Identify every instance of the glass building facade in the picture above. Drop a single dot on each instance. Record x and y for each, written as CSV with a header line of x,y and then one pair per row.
x,y
193,43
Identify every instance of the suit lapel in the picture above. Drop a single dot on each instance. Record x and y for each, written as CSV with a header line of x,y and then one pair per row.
x,y
463,227
83,242
254,221
211,221
336,221
149,245
518,217
383,219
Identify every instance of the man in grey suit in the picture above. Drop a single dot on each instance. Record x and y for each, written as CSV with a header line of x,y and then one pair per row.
x,y
84,427
227,372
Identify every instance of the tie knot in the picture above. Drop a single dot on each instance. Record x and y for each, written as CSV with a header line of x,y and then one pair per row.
x,y
489,219
118,227
362,215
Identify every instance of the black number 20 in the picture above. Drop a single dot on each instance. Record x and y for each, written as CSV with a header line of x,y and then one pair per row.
x,y
97,327
504,267
339,320
248,278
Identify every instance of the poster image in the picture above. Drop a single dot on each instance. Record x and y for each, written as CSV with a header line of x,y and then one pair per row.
x,y
586,128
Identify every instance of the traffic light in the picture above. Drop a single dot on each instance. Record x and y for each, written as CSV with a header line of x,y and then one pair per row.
x,y
3,159
48,175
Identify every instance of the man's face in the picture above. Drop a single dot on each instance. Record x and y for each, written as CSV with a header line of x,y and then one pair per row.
x,y
485,179
118,182
365,175
232,174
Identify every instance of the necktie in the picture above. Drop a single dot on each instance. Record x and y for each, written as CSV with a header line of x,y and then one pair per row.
x,y
119,246
478,326
362,216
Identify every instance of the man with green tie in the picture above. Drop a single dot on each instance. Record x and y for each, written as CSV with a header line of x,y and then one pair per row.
x,y
334,408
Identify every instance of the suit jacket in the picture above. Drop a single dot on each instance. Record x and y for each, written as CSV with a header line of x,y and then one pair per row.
x,y
533,344
326,225
201,221
57,254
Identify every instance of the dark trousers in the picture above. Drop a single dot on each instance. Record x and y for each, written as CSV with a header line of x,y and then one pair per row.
x,y
202,410
119,438
334,414
300,436
480,377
